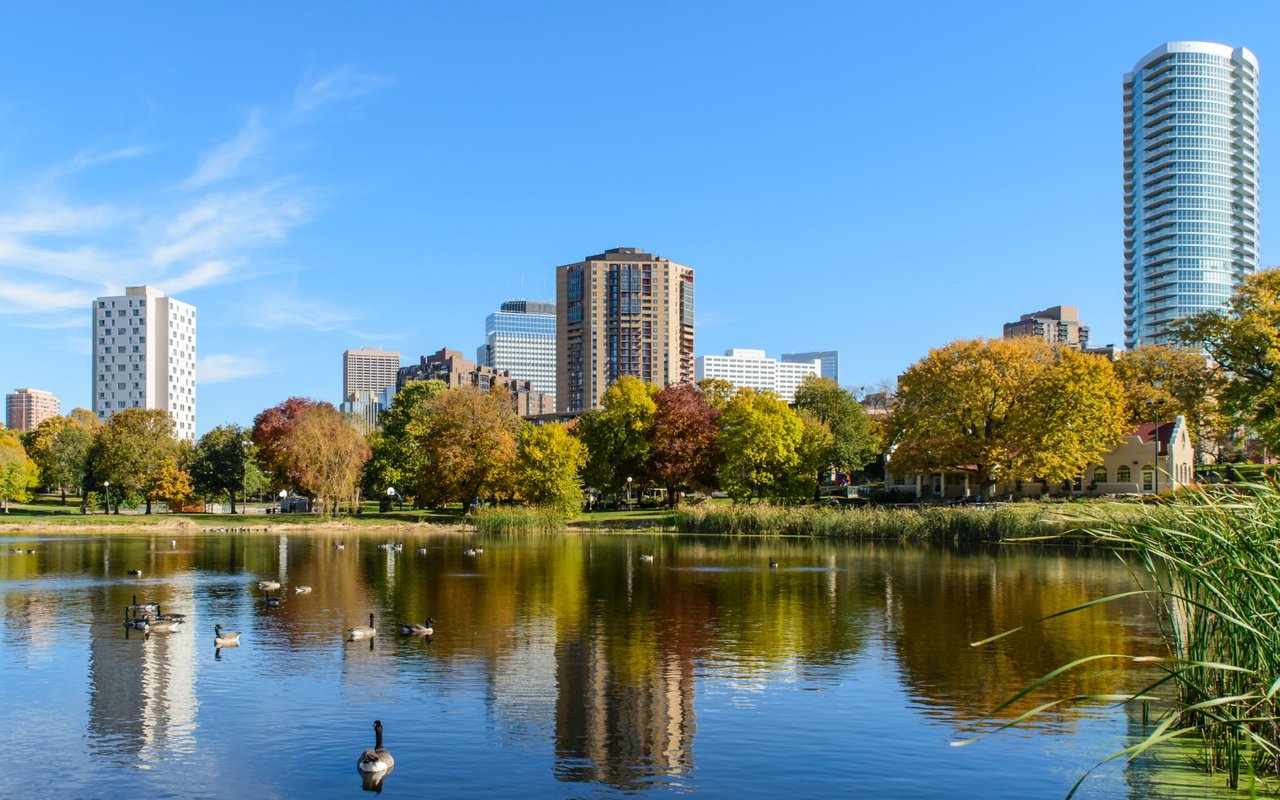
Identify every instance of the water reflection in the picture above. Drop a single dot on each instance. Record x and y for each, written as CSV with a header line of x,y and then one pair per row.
x,y
584,663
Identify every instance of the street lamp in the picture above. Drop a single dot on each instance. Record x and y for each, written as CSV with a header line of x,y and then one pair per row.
x,y
283,494
391,496
106,497
1155,409
628,491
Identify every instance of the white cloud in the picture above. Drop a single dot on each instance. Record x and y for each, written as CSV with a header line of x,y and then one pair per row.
x,y
223,367
231,222
287,310
377,337
343,83
30,298
204,274
225,160
87,159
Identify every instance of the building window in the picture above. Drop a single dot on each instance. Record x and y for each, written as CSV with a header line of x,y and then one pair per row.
x,y
1122,474
1100,475
1148,479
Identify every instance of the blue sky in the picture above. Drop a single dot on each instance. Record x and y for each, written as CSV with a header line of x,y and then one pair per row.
x,y
877,178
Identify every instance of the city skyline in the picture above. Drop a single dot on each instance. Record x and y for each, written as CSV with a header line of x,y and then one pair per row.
x,y
316,194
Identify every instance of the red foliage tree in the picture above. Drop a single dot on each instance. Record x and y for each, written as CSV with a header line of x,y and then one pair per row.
x,y
271,431
682,444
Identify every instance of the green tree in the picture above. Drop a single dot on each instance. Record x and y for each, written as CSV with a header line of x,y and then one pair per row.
x,y
468,446
759,436
617,435
854,442
682,440
1245,342
18,473
60,448
129,451
1006,409
548,461
717,392
223,463
396,460
325,455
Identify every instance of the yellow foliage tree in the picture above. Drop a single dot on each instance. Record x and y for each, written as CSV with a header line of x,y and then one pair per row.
x,y
18,473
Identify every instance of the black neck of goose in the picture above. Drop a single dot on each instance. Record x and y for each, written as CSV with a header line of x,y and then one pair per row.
x,y
377,735
135,599
217,630
370,620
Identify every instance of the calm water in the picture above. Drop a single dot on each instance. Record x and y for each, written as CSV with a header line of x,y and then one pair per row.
x,y
561,667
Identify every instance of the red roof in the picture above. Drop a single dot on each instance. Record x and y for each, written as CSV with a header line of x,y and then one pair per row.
x,y
1147,434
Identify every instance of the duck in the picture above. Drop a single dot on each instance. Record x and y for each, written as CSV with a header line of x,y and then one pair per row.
x,y
362,632
772,564
272,602
302,590
377,758
134,572
414,629
143,608
646,557
223,638
269,586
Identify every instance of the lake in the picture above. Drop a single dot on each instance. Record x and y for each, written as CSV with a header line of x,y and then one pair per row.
x,y
561,666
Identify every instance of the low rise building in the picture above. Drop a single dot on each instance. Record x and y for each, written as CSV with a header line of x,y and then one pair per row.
x,y
751,369
454,370
1057,325
1149,460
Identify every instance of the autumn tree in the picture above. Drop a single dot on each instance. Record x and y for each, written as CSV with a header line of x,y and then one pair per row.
x,y
549,459
129,451
468,445
396,460
1006,410
271,433
617,434
18,473
717,392
171,485
854,443
759,437
325,456
223,462
1180,381
60,448
1245,341
682,440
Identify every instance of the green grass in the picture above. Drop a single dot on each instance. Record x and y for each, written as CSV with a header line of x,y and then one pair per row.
x,y
507,519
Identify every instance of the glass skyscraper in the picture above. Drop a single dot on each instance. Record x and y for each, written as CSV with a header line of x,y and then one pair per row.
x,y
1190,183
521,339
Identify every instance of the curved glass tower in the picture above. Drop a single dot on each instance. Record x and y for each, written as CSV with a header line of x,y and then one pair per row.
x,y
1190,183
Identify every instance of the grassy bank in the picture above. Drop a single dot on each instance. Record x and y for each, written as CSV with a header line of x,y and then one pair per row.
x,y
961,524
503,519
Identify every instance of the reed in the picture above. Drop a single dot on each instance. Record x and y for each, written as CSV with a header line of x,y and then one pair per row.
x,y
505,519
959,524
1210,565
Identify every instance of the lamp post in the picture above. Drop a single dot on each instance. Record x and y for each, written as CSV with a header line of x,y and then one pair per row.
x,y
283,494
628,492
391,496
1155,410
106,497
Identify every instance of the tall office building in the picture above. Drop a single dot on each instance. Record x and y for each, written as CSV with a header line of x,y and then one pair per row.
x,y
1190,183
1057,325
25,409
520,338
144,356
622,312
830,361
751,369
368,370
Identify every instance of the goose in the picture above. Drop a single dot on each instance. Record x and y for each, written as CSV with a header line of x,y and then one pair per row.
x,y
772,564
384,545
143,608
272,602
361,631
376,758
161,625
422,551
135,572
135,623
414,629
339,546
397,547
478,550
169,617
173,542
302,590
223,638
646,557
470,551
33,552
269,586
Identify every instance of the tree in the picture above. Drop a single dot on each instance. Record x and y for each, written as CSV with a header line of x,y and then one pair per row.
x,y
129,451
1182,381
396,460
1245,342
60,448
717,391
18,473
854,443
682,440
325,456
171,485
548,460
271,433
759,436
617,435
468,445
1006,409
224,459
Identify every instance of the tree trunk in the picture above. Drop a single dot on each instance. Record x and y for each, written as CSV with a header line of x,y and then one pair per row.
x,y
64,494
148,511
232,495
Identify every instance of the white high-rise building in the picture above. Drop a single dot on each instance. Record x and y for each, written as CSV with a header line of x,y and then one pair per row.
x,y
1190,184
520,338
751,369
144,356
